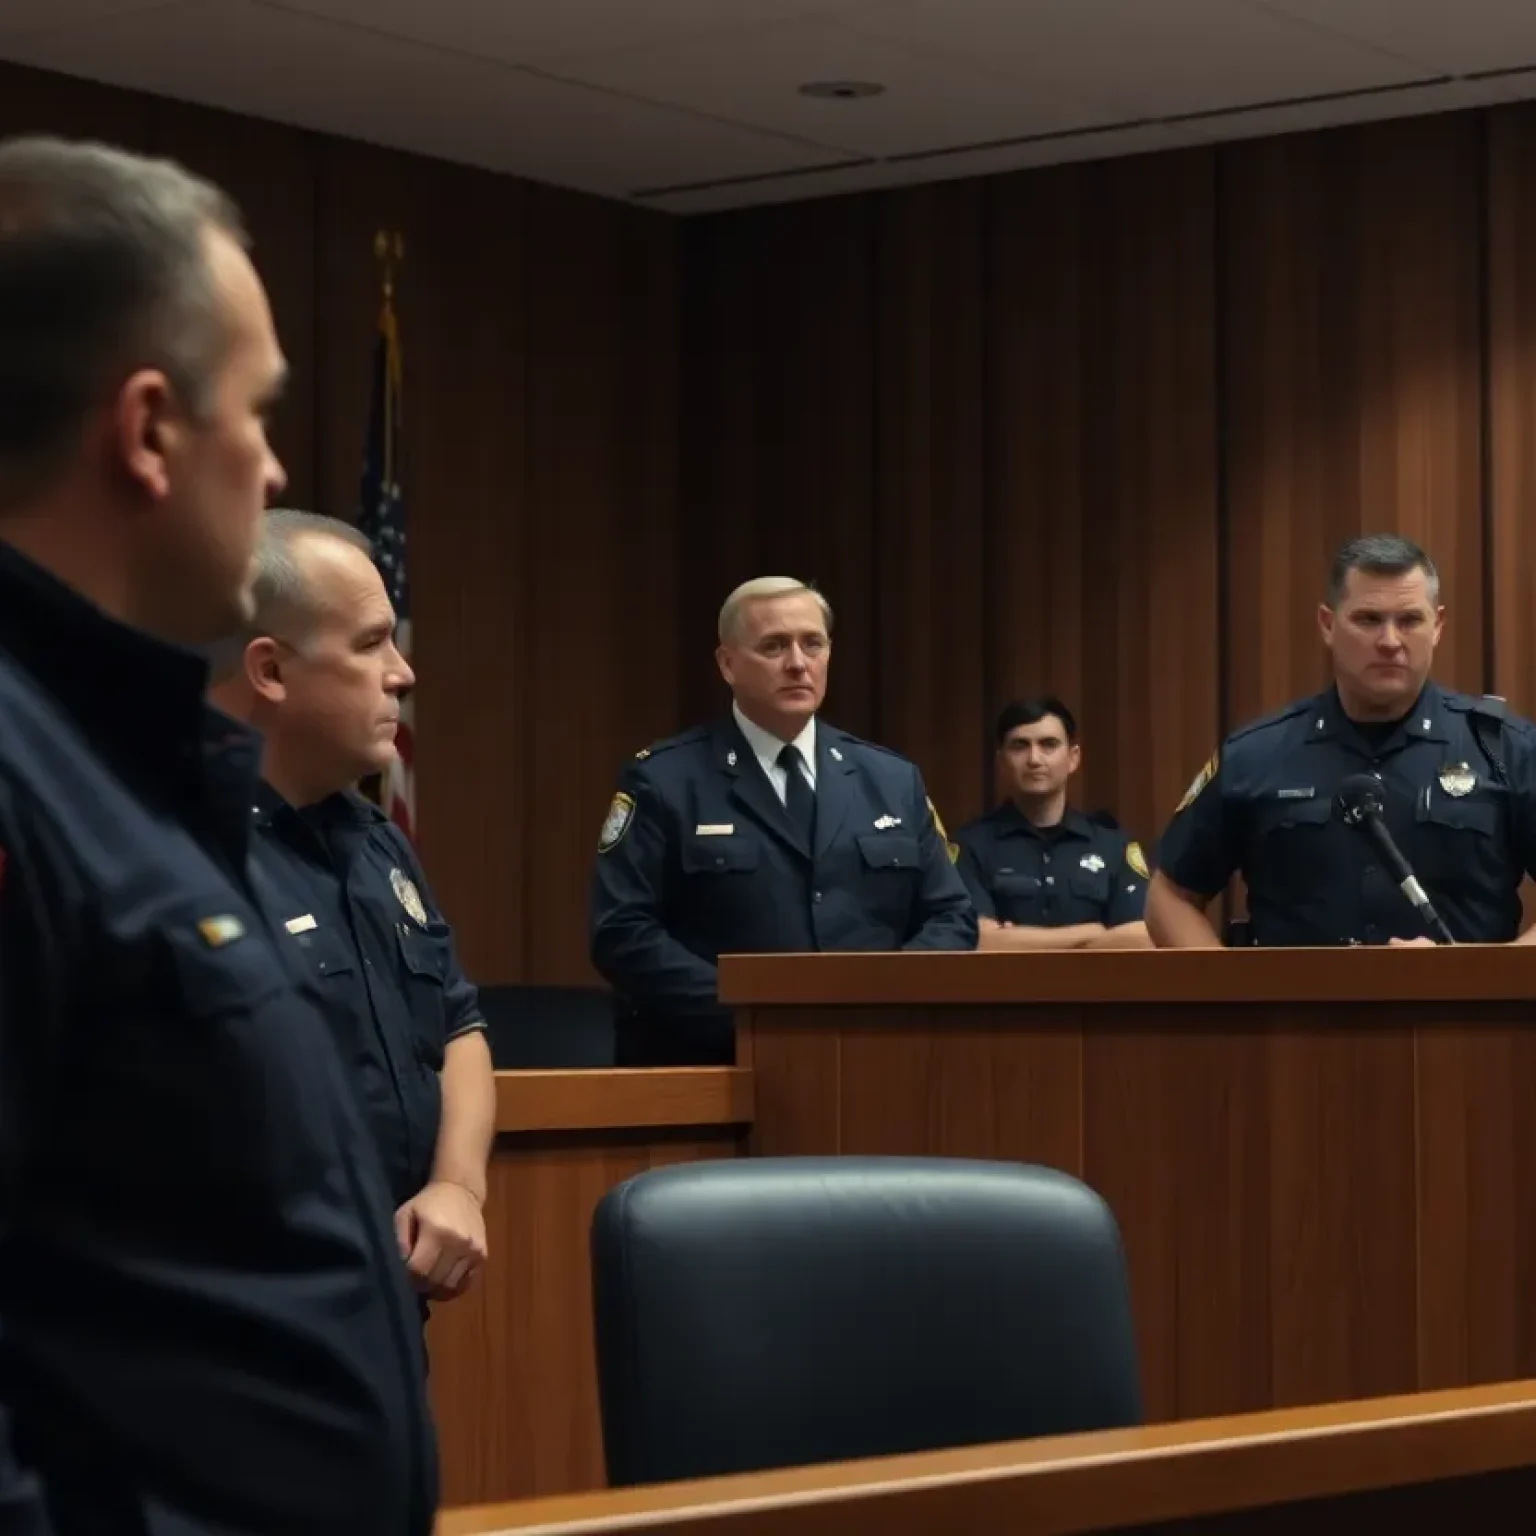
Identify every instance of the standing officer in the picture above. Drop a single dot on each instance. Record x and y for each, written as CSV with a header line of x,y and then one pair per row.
x,y
768,830
1041,875
1457,775
319,676
203,1323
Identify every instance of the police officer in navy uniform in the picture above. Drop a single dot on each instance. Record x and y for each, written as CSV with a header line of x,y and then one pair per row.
x,y
768,830
1457,776
204,1324
317,672
1040,874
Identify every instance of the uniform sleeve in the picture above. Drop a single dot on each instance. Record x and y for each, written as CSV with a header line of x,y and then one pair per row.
x,y
461,997
1200,850
21,1501
972,877
945,917
1128,899
629,942
1522,791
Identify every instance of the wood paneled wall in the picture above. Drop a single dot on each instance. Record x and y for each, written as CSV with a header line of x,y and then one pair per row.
x,y
1092,429
1096,429
540,332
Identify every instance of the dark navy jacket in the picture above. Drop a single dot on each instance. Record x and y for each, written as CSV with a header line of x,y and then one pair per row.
x,y
357,907
205,1325
1265,806
1079,871
699,858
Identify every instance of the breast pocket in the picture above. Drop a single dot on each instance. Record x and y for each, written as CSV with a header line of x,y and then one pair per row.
x,y
1017,898
1291,844
1465,841
425,961
891,874
1089,888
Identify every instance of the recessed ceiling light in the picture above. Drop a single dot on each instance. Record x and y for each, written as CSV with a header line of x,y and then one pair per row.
x,y
841,90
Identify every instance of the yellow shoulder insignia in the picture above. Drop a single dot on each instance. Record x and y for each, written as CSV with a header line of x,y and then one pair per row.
x,y
953,849
620,814
1198,783
1137,860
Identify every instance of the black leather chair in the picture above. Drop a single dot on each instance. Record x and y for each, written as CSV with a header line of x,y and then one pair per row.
x,y
773,1312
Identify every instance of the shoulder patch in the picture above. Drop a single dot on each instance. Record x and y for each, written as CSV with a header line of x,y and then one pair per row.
x,y
953,849
616,823
1137,860
1199,782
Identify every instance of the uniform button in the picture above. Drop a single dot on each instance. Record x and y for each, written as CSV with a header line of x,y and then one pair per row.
x,y
1047,858
815,895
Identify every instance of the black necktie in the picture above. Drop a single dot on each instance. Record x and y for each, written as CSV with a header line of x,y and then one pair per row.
x,y
799,797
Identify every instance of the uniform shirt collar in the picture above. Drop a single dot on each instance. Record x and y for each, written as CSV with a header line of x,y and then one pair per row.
x,y
140,699
766,746
1424,721
1011,819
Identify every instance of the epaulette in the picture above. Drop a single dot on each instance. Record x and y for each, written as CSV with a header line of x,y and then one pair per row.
x,y
873,746
1275,717
698,733
365,807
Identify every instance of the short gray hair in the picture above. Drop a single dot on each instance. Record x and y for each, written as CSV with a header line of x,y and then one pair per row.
x,y
103,270
282,606
1380,554
760,587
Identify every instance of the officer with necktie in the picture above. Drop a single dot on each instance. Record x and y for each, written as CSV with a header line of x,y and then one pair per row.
x,y
768,830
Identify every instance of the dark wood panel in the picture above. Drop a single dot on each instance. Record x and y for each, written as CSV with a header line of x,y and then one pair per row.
x,y
1352,375
601,583
270,171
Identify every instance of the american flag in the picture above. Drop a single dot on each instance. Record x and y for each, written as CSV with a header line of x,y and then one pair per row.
x,y
382,518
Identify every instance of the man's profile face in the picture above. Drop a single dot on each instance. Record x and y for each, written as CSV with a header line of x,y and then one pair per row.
x,y
337,704
776,662
1382,635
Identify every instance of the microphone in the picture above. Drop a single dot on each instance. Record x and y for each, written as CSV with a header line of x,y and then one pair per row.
x,y
1361,806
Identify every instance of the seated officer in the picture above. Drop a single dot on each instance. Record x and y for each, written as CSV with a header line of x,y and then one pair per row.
x,y
1457,774
203,1325
766,830
320,677
1041,875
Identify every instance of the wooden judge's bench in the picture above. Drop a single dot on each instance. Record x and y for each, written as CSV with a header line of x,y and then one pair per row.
x,y
1323,1164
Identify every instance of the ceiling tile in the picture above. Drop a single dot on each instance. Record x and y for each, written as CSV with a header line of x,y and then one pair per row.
x,y
751,76
1142,59
274,64
1416,102
522,33
1439,35
20,17
887,173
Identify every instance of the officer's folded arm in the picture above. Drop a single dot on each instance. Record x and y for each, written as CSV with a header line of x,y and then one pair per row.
x,y
995,935
1176,916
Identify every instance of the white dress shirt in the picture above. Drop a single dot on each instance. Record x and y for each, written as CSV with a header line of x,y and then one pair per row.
x,y
766,748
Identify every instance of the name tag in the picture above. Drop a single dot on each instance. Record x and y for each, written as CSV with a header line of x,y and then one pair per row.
x,y
714,829
1295,794
301,924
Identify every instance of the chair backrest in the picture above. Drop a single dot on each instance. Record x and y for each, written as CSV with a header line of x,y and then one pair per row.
x,y
772,1312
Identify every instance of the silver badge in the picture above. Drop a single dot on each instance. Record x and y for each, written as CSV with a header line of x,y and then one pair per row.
x,y
1092,861
1457,779
409,896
